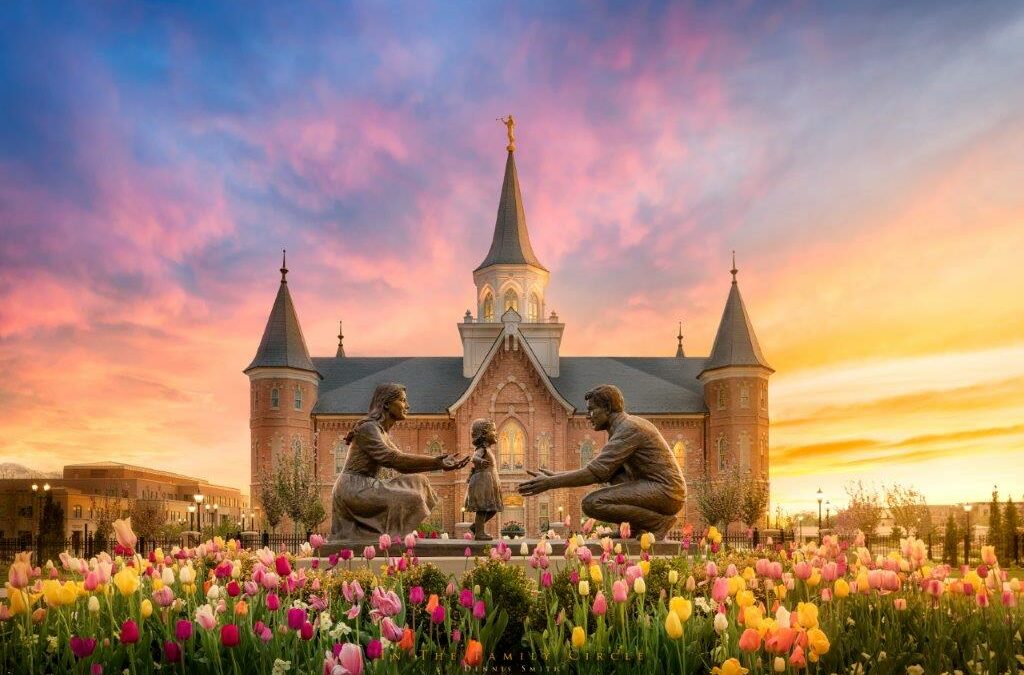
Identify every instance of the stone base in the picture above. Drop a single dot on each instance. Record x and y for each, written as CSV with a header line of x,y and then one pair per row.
x,y
456,548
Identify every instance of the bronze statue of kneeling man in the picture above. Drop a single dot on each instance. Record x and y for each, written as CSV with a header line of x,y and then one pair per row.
x,y
647,488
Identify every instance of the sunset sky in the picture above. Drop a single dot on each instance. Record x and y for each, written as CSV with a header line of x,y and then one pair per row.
x,y
866,163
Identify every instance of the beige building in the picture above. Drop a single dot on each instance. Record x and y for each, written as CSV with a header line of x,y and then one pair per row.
x,y
86,489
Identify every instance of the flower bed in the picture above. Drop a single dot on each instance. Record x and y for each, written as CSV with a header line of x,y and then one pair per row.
x,y
217,608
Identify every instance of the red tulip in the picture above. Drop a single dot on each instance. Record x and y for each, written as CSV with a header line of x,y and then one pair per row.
x,y
129,632
229,636
172,652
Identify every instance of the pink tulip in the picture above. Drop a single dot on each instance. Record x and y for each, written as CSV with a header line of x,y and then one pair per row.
x,y
270,581
384,541
183,630
316,540
282,566
1009,599
479,609
385,603
466,597
124,534
391,630
620,591
306,631
802,570
163,596
410,540
711,570
624,531
588,526
296,617
600,606
826,595
900,603
345,554
982,599
273,602
350,658
172,651
416,595
92,581
450,588
82,647
234,589
437,616
129,632
96,669
731,570
720,589
374,649
545,579
370,552
205,617
229,636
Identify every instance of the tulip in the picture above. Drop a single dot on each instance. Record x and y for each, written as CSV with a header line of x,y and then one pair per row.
x,y
82,647
620,591
721,623
779,665
129,632
818,642
432,603
296,617
205,617
123,532
146,609
316,540
438,614
730,667
600,606
807,615
681,607
546,579
639,586
229,636
369,553
479,609
673,626
720,589
579,637
172,651
93,604
183,630
466,597
797,658
408,639
374,649
673,577
595,573
306,631
127,581
750,640
988,555
842,588
474,654
416,595
282,566
584,587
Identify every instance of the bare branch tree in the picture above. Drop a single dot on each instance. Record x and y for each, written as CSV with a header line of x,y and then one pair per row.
x,y
909,510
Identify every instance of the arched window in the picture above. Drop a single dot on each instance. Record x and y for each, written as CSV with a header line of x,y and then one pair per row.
x,y
764,396
744,451
533,309
296,446
679,450
722,446
544,451
340,452
721,397
511,443
511,300
586,452
488,307
255,399
435,448
275,398
744,395
298,398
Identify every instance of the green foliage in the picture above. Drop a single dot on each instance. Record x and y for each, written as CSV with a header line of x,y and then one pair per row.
x,y
995,521
950,541
1010,526
51,522
512,591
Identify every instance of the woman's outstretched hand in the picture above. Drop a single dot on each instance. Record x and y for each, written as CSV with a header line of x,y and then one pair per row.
x,y
453,462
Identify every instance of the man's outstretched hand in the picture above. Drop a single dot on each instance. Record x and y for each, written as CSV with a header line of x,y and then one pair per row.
x,y
541,482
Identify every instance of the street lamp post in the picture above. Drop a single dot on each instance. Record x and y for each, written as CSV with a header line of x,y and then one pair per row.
x,y
191,515
828,513
199,497
820,498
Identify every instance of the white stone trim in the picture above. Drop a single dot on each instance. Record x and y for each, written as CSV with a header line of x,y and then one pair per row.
x,y
734,371
283,374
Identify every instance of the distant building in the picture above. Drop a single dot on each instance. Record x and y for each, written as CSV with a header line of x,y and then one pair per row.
x,y
85,488
712,410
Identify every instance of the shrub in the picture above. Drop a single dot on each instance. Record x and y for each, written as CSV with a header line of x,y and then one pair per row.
x,y
512,591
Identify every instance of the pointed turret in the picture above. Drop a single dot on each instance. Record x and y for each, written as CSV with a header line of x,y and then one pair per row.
x,y
282,345
341,342
679,348
735,343
511,242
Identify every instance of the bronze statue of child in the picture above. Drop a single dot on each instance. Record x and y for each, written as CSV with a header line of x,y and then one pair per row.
x,y
484,494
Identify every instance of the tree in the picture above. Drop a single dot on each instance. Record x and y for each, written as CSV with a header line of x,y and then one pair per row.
x,y
950,540
909,510
755,500
995,521
105,511
270,500
719,501
51,521
293,490
1010,525
864,511
148,518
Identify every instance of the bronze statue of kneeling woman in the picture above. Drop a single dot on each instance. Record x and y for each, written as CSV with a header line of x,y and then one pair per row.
x,y
363,504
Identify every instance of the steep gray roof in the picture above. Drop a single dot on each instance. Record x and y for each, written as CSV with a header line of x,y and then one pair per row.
x,y
735,343
511,243
653,385
282,345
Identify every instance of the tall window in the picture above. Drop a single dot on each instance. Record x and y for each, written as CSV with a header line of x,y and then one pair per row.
x,y
586,452
722,445
255,399
511,443
298,398
340,455
489,307
744,395
764,455
544,451
544,516
764,395
744,451
679,450
721,396
511,300
533,308
275,398
435,448
77,512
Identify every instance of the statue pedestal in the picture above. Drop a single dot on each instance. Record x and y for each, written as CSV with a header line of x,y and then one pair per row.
x,y
456,548
462,528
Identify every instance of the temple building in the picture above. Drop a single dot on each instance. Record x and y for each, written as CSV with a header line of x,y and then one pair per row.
x,y
712,410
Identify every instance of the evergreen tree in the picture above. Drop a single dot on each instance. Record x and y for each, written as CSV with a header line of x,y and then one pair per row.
x,y
1010,524
995,522
950,541
51,523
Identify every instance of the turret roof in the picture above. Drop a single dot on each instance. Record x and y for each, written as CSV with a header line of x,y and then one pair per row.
x,y
735,343
511,243
282,345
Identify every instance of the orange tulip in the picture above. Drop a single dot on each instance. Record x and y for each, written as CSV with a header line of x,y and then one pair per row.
x,y
474,654
432,603
406,642
750,641
241,608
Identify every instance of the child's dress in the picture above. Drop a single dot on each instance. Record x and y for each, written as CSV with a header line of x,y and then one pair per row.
x,y
484,493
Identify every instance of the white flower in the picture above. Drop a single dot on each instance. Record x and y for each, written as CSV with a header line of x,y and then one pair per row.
x,y
94,604
915,670
340,629
721,623
281,666
52,644
213,593
167,576
325,621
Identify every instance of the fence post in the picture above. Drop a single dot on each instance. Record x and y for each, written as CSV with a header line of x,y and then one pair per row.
x,y
930,547
265,539
967,547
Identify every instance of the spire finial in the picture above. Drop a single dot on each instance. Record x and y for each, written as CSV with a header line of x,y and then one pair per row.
x,y
679,348
341,341
284,266
511,124
733,271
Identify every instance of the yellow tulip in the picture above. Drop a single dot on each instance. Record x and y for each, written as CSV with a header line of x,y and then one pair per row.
x,y
646,540
673,626
780,592
681,607
645,566
146,608
749,574
595,573
51,593
862,582
818,642
18,598
842,588
673,577
579,637
584,587
734,585
730,667
158,583
127,581
639,586
814,579
752,617
807,614
745,598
